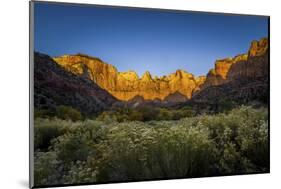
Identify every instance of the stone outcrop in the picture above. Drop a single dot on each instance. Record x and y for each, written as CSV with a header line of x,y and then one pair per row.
x,y
54,86
243,78
219,74
126,85
256,64
251,65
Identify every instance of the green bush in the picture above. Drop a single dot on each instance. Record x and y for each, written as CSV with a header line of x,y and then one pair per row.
x,y
46,169
45,130
68,113
80,172
42,113
72,147
68,152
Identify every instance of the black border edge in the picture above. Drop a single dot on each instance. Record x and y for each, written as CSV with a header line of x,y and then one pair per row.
x,y
31,60
268,32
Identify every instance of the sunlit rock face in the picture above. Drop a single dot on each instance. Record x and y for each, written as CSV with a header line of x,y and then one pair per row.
x,y
252,65
258,48
243,78
127,85
256,64
54,86
219,74
105,75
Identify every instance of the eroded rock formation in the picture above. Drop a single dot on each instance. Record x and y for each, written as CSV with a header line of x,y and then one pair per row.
x,y
127,85
243,78
252,65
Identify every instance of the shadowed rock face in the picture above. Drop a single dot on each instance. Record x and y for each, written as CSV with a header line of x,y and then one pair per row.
x,y
55,86
127,85
176,97
219,74
256,65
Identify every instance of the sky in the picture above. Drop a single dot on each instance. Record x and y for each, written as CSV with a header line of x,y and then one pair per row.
x,y
144,39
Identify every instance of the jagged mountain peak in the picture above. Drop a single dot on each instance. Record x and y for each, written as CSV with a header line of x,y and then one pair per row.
x,y
258,48
146,76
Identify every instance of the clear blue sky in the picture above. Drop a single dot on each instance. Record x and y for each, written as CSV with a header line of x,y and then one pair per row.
x,y
140,40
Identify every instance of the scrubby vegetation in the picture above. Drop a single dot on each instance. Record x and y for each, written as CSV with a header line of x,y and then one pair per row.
x,y
145,114
62,112
109,149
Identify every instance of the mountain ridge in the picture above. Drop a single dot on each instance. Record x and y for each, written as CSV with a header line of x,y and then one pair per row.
x,y
126,85
54,86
